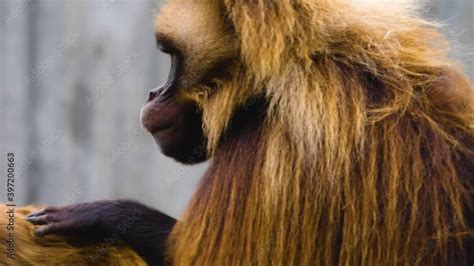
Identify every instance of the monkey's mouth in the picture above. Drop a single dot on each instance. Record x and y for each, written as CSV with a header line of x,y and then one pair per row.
x,y
154,128
160,128
150,122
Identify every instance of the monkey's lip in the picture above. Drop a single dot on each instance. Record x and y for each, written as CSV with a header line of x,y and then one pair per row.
x,y
153,129
151,124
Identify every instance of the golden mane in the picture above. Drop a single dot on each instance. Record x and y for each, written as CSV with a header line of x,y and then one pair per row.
x,y
363,156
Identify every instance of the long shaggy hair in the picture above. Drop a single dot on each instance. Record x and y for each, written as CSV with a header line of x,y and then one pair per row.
x,y
56,250
363,155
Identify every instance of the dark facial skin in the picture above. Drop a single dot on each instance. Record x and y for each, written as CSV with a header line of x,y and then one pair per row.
x,y
175,124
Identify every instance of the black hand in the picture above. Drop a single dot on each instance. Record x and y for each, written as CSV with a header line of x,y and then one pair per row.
x,y
143,228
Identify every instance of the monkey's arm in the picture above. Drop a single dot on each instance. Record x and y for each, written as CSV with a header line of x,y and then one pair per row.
x,y
144,229
147,236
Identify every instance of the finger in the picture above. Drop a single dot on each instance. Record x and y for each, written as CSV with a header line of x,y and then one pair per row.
x,y
44,230
49,229
43,211
51,209
62,228
37,220
37,213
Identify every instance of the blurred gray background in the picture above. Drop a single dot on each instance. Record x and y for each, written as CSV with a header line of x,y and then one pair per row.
x,y
74,75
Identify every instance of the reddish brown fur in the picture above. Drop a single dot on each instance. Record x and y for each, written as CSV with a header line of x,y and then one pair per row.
x,y
55,250
365,152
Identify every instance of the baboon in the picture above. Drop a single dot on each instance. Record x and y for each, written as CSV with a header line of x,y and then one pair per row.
x,y
338,135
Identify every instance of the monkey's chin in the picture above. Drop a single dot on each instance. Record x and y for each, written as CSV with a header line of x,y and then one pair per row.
x,y
171,145
166,141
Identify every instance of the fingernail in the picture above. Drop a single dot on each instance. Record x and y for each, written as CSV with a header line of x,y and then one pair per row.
x,y
32,219
36,213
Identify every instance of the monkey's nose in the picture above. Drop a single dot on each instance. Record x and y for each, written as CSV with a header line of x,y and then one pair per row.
x,y
153,94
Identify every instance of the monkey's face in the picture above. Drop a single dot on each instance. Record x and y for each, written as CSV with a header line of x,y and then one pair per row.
x,y
195,36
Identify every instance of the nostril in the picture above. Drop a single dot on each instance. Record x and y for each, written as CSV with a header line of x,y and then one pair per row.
x,y
155,93
152,95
